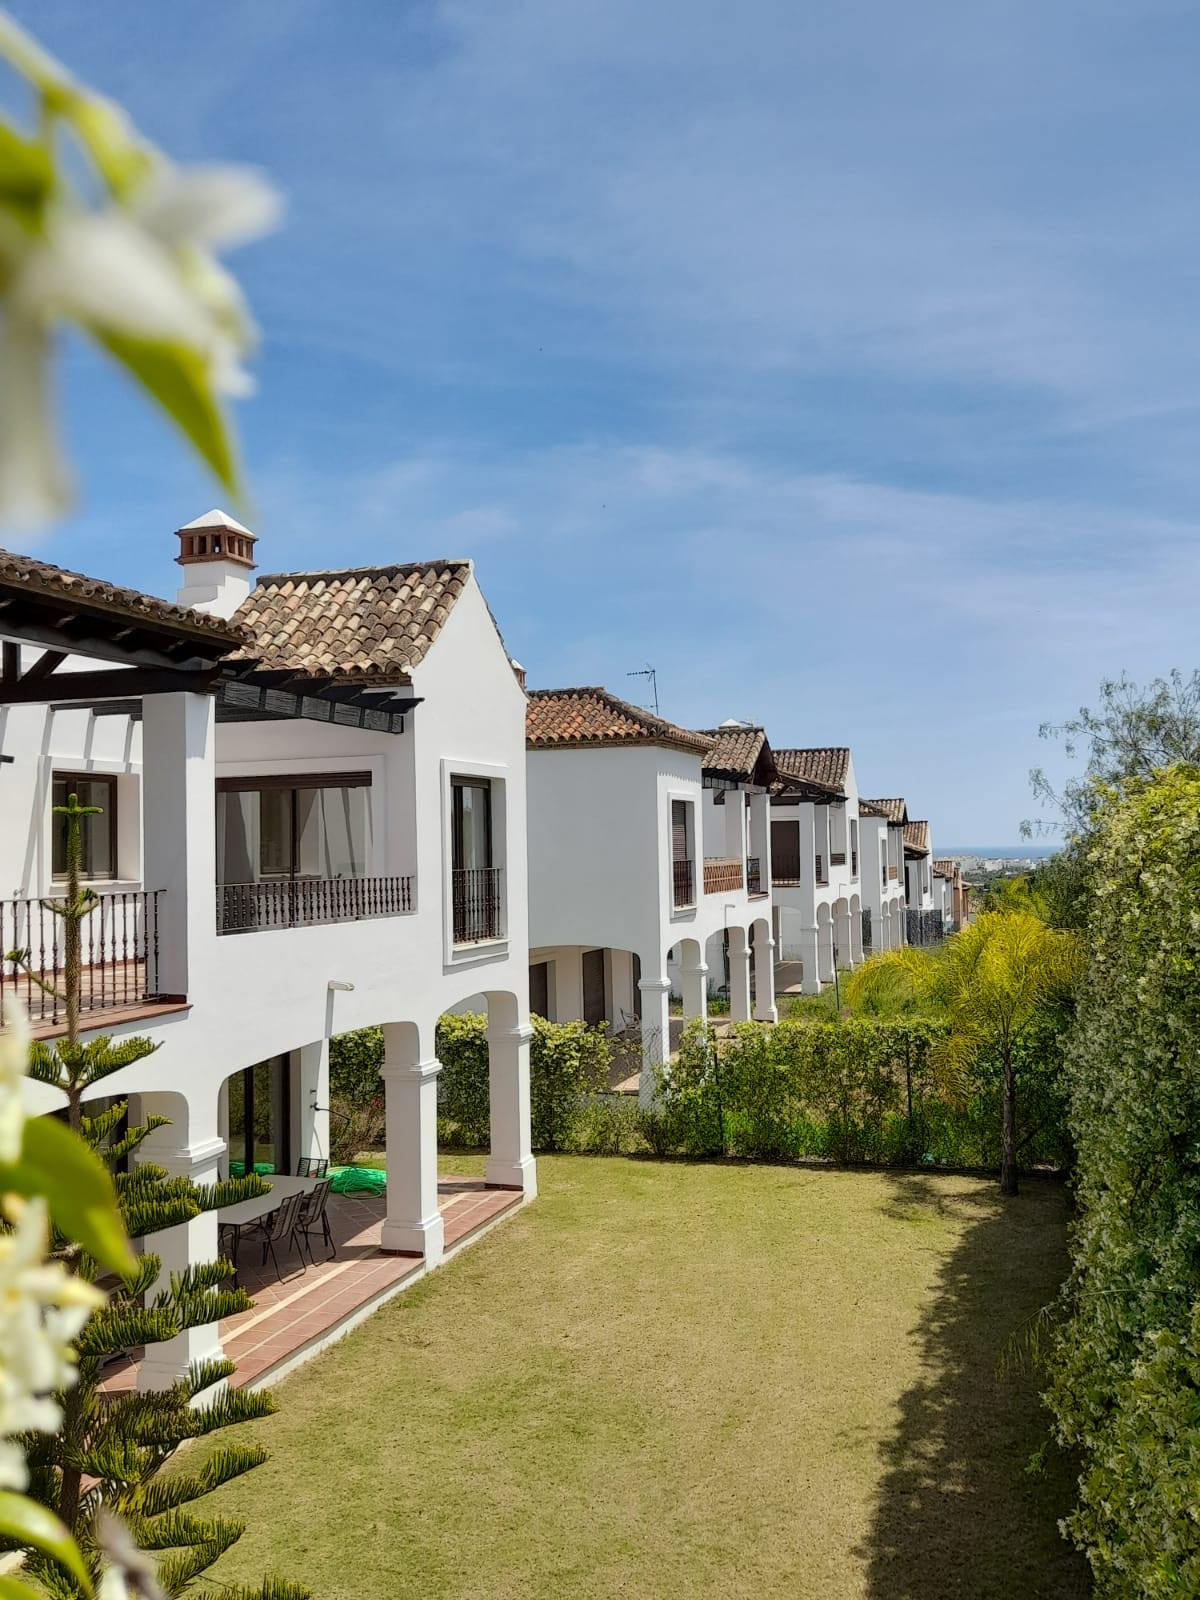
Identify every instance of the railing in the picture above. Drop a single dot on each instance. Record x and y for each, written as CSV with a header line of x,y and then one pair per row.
x,y
722,875
822,874
854,863
308,902
754,883
684,882
785,874
118,955
893,873
837,858
478,904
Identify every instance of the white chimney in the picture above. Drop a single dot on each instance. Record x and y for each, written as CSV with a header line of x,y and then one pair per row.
x,y
217,555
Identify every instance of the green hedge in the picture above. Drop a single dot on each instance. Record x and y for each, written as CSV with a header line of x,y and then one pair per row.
x,y
1125,1357
859,1090
568,1063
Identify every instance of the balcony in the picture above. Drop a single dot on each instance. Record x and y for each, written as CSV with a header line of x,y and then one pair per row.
x,y
754,883
683,873
118,954
478,904
309,902
837,858
822,871
722,875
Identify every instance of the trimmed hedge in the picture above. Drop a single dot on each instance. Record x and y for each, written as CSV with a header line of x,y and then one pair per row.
x,y
568,1062
1125,1356
859,1090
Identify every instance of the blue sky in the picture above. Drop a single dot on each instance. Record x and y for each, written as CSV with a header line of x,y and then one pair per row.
x,y
840,361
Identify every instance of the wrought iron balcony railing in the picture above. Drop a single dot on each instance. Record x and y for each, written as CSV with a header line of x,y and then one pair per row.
x,y
683,873
478,904
118,955
754,883
309,902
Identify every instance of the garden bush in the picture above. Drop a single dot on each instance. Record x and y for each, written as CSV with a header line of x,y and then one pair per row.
x,y
853,1090
1125,1356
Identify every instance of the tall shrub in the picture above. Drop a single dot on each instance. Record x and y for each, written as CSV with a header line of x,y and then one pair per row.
x,y
1125,1362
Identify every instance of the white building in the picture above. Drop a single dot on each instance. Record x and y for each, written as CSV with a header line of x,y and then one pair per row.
x,y
882,827
644,853
313,820
816,878
924,903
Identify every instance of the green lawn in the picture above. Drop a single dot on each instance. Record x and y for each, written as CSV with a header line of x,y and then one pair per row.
x,y
680,1380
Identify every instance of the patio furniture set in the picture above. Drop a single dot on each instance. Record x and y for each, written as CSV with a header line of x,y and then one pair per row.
x,y
292,1210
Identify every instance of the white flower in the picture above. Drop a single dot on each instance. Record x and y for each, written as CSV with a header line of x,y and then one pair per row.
x,y
42,1308
14,1063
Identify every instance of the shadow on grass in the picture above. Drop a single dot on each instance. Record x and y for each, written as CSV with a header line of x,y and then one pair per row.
x,y
956,1513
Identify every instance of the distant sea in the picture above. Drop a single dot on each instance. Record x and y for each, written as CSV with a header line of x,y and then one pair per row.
x,y
1005,852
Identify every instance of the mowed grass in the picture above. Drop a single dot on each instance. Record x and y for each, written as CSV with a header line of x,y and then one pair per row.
x,y
666,1379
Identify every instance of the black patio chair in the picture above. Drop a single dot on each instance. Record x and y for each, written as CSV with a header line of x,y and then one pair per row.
x,y
313,1211
311,1167
281,1225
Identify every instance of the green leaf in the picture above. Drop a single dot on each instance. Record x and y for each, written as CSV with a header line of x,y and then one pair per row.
x,y
177,380
14,1589
27,1523
77,1187
26,175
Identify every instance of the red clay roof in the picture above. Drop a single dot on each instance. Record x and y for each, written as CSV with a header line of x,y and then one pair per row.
x,y
916,837
366,623
893,810
736,752
945,866
94,594
826,766
565,718
868,808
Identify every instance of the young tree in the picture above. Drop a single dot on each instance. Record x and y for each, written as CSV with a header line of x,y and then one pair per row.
x,y
118,1446
992,982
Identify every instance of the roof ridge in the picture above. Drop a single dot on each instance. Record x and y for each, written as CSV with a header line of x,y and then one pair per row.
x,y
353,572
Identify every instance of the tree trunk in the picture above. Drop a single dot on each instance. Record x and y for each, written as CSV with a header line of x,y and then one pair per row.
x,y
1008,1128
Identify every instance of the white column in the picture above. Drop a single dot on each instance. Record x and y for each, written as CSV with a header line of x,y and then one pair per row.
x,y
739,975
810,957
765,1009
825,950
179,831
656,1030
694,973
413,1225
845,940
189,1148
312,1101
510,1164
856,946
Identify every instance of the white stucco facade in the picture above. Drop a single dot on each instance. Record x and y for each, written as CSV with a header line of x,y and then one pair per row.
x,y
817,883
619,912
262,993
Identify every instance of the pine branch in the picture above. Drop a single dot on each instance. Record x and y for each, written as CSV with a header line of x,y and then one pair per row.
x,y
203,1375
111,1331
269,1589
175,1530
176,1573
165,1494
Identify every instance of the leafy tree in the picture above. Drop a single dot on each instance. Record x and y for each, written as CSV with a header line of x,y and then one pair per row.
x,y
994,983
109,1453
1132,733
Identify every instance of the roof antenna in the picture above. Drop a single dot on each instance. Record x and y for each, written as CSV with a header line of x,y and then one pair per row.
x,y
648,672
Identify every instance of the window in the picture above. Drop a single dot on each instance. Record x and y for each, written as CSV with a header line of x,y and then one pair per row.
x,y
298,826
97,834
683,870
854,847
475,881
472,822
883,861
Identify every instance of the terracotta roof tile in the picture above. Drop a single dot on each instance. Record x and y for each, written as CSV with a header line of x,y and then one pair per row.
x,y
563,718
94,594
945,868
367,623
870,808
893,810
826,766
735,752
916,837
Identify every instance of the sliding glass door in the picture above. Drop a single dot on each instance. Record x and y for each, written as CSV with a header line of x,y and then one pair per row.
x,y
260,1118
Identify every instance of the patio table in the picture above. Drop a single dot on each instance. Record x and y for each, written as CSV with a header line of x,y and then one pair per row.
x,y
246,1212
